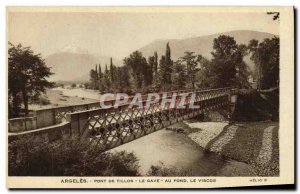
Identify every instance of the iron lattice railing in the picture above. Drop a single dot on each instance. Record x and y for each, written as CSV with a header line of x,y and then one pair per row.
x,y
110,127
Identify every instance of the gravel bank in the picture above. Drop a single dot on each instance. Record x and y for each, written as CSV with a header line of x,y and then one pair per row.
x,y
206,131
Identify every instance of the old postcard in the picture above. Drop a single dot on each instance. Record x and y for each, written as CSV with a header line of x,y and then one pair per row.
x,y
150,97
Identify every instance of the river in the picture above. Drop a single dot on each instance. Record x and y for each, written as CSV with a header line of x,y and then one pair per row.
x,y
176,150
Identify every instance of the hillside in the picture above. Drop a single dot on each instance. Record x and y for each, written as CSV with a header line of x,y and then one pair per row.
x,y
74,64
202,44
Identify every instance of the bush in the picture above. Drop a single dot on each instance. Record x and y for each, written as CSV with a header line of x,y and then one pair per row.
x,y
162,170
43,100
67,158
257,107
57,84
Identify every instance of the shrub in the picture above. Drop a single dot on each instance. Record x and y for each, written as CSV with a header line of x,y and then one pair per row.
x,y
162,170
67,158
43,100
257,107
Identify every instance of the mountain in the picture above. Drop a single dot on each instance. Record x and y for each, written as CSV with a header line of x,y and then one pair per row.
x,y
201,44
75,65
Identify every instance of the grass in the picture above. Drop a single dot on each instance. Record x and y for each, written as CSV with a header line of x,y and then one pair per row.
x,y
246,144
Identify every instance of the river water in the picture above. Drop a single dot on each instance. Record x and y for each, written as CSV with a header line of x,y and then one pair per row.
x,y
173,150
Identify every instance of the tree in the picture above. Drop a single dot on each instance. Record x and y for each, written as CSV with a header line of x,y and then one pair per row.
x,y
96,78
266,58
106,80
137,64
241,67
165,68
168,65
224,64
162,70
112,72
179,75
93,78
191,62
155,62
204,74
150,70
124,77
100,78
27,75
156,76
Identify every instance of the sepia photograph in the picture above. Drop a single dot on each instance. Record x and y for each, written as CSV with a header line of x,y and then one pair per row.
x,y
141,97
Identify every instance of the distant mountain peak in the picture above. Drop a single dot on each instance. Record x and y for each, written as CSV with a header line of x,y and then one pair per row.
x,y
74,63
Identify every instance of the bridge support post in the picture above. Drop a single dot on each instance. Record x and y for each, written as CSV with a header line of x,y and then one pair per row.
x,y
231,106
78,124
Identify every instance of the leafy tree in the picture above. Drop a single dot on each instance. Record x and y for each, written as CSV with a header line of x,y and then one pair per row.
x,y
124,77
150,71
112,73
162,70
155,62
204,72
266,58
227,60
179,75
165,65
137,64
94,78
169,64
241,67
165,70
106,79
27,75
100,78
191,62
156,74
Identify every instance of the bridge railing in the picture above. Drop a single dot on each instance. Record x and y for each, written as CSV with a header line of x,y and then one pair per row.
x,y
52,116
111,127
47,117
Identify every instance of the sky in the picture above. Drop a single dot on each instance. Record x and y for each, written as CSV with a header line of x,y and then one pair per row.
x,y
119,34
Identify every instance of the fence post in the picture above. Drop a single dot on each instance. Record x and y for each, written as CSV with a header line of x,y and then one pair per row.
x,y
79,125
73,120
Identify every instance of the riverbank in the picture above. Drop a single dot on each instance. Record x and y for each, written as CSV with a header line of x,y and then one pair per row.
x,y
255,143
65,97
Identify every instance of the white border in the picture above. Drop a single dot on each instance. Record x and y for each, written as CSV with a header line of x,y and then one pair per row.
x,y
4,3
